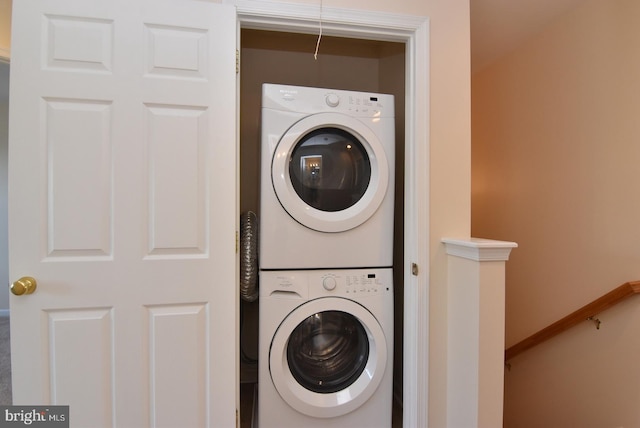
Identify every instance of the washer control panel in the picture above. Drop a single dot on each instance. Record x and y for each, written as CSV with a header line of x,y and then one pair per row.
x,y
350,282
311,284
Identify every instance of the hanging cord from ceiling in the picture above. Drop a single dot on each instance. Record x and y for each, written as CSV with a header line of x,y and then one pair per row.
x,y
315,54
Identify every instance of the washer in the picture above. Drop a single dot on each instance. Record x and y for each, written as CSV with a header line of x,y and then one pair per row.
x,y
327,178
326,348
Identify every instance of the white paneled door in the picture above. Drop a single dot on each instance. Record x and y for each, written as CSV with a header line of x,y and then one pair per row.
x,y
122,203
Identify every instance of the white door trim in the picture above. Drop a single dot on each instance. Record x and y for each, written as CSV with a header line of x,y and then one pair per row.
x,y
414,31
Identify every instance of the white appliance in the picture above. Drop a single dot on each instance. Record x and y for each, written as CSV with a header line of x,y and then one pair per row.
x,y
326,348
327,178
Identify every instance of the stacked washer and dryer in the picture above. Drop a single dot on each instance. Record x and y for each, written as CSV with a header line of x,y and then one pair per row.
x,y
326,255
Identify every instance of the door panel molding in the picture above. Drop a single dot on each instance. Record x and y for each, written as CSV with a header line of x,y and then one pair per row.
x,y
122,150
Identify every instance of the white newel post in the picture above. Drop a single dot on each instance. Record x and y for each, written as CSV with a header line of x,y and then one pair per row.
x,y
476,315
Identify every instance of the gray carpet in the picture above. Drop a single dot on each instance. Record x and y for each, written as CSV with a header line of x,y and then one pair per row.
x,y
5,363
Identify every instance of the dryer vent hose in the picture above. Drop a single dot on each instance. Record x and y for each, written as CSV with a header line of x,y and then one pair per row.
x,y
249,256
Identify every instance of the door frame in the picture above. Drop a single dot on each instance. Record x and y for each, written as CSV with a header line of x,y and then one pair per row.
x,y
414,32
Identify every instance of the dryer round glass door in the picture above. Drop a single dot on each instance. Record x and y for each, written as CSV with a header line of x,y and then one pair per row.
x,y
328,357
330,172
329,169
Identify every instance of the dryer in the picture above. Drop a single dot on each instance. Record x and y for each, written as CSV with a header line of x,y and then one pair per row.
x,y
326,348
327,178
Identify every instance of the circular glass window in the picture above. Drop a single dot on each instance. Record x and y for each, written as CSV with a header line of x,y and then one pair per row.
x,y
330,169
328,351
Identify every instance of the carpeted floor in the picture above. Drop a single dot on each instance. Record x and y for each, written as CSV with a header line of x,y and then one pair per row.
x,y
5,362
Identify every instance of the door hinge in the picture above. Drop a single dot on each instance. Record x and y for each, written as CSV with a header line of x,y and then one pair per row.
x,y
414,269
237,242
237,419
237,61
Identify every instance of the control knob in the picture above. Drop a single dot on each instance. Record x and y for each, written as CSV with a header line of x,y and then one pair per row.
x,y
332,100
329,283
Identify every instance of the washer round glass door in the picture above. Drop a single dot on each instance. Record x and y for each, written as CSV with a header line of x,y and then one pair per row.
x,y
328,357
330,172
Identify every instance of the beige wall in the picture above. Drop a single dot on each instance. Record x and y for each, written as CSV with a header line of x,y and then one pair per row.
x,y
5,28
556,149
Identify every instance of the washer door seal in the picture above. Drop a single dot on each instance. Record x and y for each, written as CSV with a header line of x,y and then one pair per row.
x,y
328,351
335,403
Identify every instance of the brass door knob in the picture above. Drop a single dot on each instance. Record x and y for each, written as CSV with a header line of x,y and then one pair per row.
x,y
25,285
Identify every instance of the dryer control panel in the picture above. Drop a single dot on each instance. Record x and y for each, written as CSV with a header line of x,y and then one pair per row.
x,y
302,99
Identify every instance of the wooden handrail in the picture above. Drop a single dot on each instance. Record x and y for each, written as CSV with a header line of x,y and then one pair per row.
x,y
586,312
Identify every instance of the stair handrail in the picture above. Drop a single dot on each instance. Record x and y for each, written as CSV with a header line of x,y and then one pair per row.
x,y
587,312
